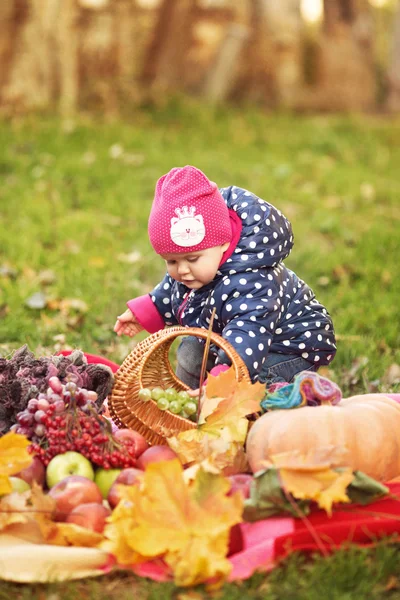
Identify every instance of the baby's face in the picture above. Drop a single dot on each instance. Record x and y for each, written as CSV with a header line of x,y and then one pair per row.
x,y
195,269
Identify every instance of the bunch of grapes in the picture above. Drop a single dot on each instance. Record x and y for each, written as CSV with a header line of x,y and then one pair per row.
x,y
179,403
65,418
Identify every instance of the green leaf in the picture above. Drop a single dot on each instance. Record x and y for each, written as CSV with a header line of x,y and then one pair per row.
x,y
364,489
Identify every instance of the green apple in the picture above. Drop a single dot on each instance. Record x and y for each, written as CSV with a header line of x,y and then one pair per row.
x,y
105,478
19,485
69,463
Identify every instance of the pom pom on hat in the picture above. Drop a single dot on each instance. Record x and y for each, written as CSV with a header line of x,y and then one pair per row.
x,y
188,213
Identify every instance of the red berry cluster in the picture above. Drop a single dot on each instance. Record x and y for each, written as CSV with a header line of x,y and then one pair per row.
x,y
73,423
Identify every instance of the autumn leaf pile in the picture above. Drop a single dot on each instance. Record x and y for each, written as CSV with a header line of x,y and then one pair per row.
x,y
183,516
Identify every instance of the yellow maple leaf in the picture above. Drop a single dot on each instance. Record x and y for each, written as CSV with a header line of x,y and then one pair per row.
x,y
318,481
195,446
186,524
223,426
12,509
33,508
314,459
14,457
69,534
229,398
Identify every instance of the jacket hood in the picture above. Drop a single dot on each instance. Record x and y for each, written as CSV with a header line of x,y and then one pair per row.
x,y
266,238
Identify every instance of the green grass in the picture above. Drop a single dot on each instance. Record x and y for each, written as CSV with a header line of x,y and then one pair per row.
x,y
351,574
68,207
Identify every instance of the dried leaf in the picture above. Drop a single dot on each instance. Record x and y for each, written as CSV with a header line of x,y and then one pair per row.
x,y
14,457
194,447
314,460
37,301
33,508
240,399
47,277
96,262
324,486
131,258
185,524
12,509
69,534
223,425
392,375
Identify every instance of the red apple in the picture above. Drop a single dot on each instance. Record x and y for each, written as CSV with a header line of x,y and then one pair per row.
x,y
241,482
35,472
73,491
155,454
91,515
135,437
129,476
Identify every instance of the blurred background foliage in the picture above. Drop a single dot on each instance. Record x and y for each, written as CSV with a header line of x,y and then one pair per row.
x,y
113,55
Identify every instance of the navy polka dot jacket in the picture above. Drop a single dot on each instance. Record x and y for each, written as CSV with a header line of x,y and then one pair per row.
x,y
261,305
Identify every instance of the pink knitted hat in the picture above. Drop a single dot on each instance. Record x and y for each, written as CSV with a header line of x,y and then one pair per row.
x,y
188,213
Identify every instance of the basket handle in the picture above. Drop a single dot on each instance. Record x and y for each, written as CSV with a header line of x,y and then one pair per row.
x,y
171,333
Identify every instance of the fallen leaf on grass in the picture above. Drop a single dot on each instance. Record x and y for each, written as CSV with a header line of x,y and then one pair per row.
x,y
131,258
185,524
392,375
37,301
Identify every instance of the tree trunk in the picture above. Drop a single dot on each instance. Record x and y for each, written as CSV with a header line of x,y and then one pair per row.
x,y
393,100
346,78
165,64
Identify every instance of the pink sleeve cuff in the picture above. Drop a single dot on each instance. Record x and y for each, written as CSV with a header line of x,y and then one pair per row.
x,y
146,313
216,371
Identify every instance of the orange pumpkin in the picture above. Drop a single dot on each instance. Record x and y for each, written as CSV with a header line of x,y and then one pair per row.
x,y
367,426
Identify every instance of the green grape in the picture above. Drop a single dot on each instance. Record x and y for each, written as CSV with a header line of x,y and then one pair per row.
x,y
163,403
190,408
183,396
157,393
175,407
144,394
183,414
170,394
193,417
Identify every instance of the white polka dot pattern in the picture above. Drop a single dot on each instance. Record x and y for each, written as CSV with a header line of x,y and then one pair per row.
x,y
261,306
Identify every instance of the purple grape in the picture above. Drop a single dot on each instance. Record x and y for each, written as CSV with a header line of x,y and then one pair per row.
x,y
32,405
39,416
27,431
43,405
66,397
81,397
53,398
70,387
14,428
55,385
92,396
25,418
40,430
59,406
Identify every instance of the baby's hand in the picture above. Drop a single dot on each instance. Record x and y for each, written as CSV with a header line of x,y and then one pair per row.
x,y
127,324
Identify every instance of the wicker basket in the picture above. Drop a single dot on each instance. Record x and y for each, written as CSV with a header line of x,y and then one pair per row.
x,y
148,366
